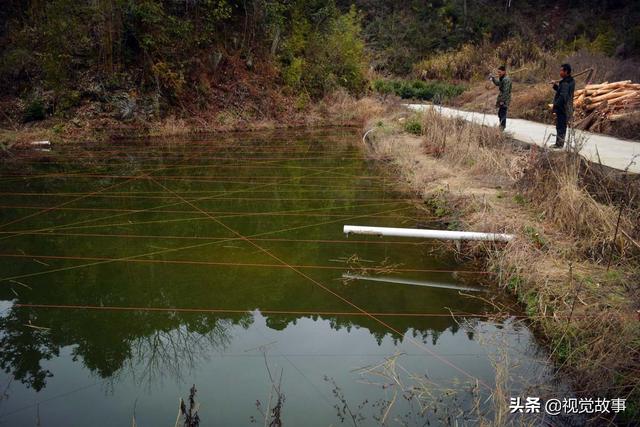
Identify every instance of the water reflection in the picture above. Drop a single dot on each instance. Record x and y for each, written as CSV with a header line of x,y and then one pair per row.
x,y
150,345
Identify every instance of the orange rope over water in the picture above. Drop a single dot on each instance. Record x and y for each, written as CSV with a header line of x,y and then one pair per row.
x,y
241,311
280,263
152,209
91,153
159,236
174,155
212,192
258,166
222,149
12,177
199,245
232,264
77,224
299,212
143,175
327,289
199,178
244,199
204,179
293,312
137,160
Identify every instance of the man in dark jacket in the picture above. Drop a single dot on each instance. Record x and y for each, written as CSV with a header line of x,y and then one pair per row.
x,y
563,103
504,96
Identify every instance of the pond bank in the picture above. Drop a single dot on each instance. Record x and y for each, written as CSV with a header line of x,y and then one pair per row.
x,y
573,264
336,110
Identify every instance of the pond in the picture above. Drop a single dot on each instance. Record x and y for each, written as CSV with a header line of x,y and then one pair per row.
x,y
131,271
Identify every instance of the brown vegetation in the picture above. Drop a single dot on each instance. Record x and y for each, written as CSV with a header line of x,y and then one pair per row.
x,y
337,109
574,263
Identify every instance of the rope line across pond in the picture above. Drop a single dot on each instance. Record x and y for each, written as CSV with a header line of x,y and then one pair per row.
x,y
126,213
280,263
337,295
286,312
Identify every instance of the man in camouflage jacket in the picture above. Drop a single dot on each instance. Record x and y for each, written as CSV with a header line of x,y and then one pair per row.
x,y
504,96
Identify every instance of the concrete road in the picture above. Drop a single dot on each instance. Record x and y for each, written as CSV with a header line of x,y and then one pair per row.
x,y
613,152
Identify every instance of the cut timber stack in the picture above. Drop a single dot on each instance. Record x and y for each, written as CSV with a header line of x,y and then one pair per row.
x,y
599,105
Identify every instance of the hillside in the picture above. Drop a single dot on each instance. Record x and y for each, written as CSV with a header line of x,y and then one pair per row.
x,y
225,64
138,62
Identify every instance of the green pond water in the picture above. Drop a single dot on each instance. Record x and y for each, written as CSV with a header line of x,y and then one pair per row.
x,y
131,271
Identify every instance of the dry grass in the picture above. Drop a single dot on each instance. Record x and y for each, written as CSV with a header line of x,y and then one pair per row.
x,y
15,138
452,402
526,61
554,183
564,215
529,101
170,126
477,149
461,64
473,61
343,108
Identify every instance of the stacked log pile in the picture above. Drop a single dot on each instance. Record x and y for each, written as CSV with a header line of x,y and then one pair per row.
x,y
601,104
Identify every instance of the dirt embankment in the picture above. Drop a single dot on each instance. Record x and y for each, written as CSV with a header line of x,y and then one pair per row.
x,y
574,265
337,109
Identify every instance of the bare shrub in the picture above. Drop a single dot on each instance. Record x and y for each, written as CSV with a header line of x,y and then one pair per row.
x,y
171,126
531,103
476,61
403,154
605,67
461,64
554,183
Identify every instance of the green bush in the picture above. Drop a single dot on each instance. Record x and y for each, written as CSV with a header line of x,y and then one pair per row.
x,y
633,39
605,42
68,100
535,237
418,89
345,52
34,111
319,59
413,126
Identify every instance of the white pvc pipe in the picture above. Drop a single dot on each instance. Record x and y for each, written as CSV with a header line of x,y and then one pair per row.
x,y
411,282
427,234
40,143
364,137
